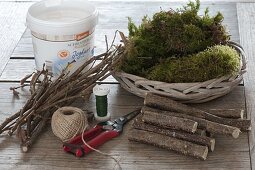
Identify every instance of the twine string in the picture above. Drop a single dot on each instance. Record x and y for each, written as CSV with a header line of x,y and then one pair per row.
x,y
117,161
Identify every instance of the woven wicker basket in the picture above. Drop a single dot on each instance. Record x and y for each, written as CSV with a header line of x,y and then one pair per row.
x,y
197,92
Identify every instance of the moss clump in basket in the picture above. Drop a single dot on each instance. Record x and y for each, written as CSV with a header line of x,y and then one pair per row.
x,y
173,35
214,62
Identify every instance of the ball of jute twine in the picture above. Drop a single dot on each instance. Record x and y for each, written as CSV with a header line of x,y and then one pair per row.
x,y
67,122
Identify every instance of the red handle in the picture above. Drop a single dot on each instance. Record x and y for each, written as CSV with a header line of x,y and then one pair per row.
x,y
74,145
100,139
88,135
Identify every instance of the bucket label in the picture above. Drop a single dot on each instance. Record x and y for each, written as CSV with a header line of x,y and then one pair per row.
x,y
57,55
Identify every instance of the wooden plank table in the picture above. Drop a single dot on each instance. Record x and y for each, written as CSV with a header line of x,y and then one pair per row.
x,y
47,152
246,20
12,26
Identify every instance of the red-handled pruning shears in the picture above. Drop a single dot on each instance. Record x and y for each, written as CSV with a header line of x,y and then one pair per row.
x,y
98,135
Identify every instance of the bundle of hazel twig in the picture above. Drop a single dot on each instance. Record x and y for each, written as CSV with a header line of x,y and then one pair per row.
x,y
47,95
174,126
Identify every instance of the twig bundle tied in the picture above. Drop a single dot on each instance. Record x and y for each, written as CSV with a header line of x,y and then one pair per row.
x,y
48,95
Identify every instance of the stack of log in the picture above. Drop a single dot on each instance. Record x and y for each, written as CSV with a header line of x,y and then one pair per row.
x,y
175,126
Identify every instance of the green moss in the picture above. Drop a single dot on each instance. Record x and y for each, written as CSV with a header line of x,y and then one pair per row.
x,y
171,33
214,62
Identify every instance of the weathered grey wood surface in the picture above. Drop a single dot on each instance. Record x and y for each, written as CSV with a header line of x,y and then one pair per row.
x,y
12,26
246,18
47,153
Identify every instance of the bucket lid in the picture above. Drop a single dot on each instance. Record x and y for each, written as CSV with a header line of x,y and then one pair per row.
x,y
61,17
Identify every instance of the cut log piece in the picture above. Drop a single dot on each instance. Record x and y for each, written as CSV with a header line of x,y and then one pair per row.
x,y
166,142
201,140
165,103
212,127
228,113
172,122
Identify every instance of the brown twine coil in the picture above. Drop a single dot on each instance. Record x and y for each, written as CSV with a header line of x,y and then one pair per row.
x,y
67,122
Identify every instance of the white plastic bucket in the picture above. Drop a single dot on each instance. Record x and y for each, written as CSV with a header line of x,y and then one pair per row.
x,y
62,32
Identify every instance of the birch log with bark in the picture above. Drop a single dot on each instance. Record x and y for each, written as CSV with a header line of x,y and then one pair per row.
x,y
169,143
212,127
228,113
195,138
165,103
171,122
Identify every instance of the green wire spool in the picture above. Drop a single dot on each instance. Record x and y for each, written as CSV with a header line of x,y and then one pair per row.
x,y
101,93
